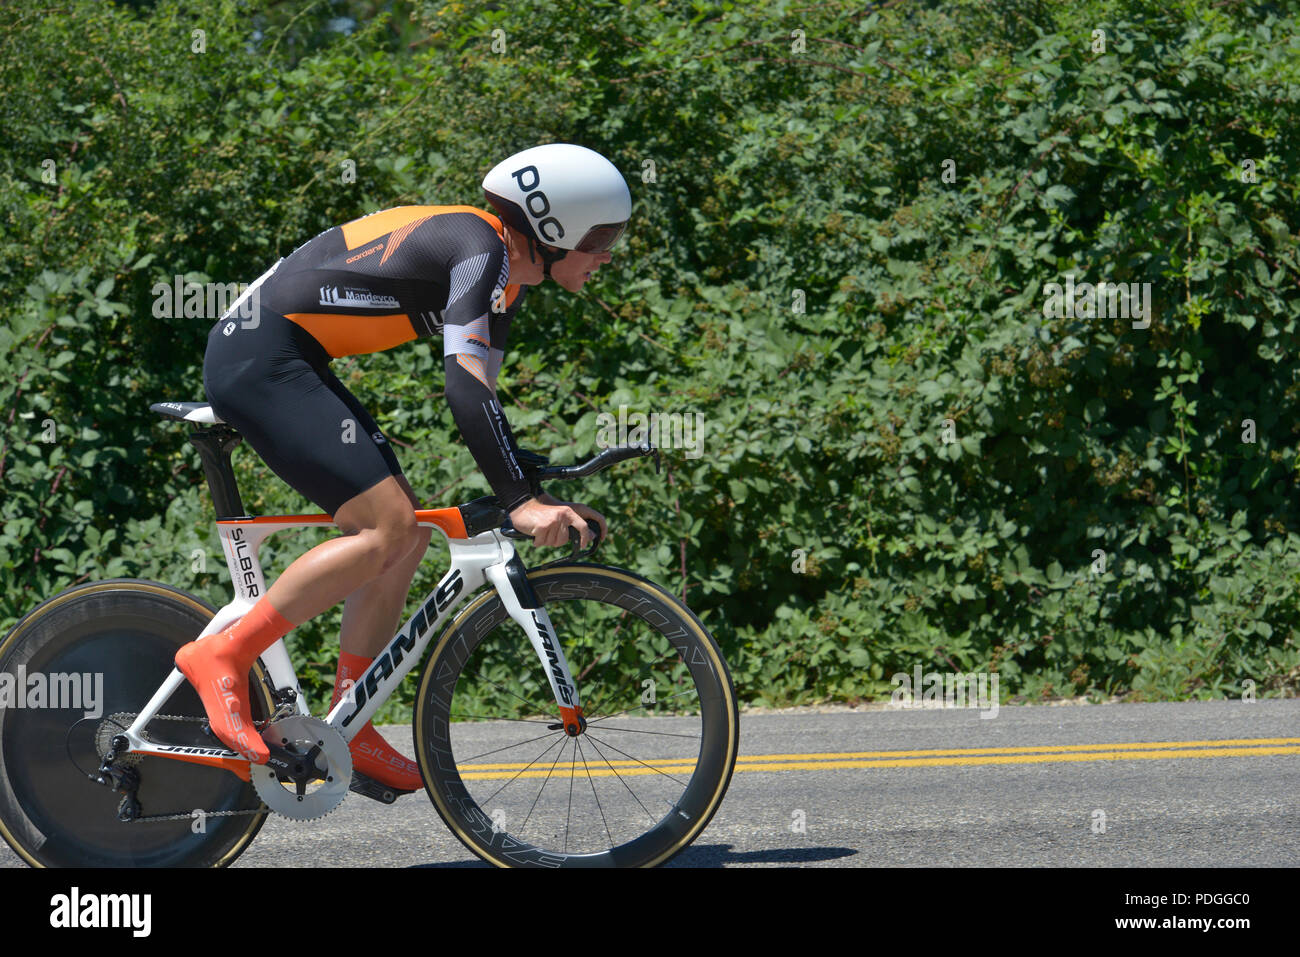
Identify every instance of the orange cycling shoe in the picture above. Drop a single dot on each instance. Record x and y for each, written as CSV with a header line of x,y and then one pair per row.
x,y
218,668
371,754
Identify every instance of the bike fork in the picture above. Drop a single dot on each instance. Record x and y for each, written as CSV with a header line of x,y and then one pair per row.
x,y
510,579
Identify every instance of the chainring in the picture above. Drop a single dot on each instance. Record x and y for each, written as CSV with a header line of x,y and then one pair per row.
x,y
299,733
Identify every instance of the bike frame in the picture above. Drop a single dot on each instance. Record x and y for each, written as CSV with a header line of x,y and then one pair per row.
x,y
475,561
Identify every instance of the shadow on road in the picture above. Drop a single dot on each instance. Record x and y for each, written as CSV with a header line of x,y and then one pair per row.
x,y
721,855
455,864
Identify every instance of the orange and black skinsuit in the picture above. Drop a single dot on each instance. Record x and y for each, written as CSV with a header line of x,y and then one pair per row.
x,y
366,286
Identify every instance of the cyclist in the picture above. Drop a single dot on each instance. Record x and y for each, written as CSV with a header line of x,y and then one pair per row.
x,y
367,286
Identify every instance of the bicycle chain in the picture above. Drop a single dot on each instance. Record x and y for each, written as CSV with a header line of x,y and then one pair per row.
x,y
159,818
124,719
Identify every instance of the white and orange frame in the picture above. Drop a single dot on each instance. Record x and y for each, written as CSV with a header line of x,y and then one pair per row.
x,y
474,562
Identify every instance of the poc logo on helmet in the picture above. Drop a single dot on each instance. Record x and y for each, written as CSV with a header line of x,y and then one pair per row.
x,y
537,195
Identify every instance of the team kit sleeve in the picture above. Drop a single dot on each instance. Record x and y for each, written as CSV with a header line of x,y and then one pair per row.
x,y
474,338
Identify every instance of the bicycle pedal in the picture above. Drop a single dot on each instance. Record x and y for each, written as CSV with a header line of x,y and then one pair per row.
x,y
369,787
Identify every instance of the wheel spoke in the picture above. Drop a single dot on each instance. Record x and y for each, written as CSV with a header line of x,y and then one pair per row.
x,y
501,717
666,734
558,754
595,796
516,775
640,707
596,748
672,657
535,710
484,754
638,761
573,768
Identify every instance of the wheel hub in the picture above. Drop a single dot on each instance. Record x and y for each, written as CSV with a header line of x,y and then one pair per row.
x,y
571,728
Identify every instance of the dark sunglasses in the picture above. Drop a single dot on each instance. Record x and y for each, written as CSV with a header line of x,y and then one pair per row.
x,y
600,238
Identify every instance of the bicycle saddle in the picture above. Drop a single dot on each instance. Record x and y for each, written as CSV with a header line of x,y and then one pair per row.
x,y
188,411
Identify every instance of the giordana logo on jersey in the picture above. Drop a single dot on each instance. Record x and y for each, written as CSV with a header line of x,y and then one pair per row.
x,y
355,297
421,622
362,255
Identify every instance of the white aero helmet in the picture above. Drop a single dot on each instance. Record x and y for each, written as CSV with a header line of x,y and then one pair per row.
x,y
561,195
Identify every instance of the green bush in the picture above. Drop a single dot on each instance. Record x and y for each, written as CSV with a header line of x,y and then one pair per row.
x,y
845,227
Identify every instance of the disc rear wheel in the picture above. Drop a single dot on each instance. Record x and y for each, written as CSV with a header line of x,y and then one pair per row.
x,y
108,646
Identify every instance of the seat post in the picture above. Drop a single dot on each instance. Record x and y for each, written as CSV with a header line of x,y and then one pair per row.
x,y
215,445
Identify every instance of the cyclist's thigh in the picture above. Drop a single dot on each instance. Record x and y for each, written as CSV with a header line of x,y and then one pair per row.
x,y
364,420
271,382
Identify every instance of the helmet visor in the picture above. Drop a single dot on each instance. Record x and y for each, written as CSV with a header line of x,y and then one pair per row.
x,y
600,238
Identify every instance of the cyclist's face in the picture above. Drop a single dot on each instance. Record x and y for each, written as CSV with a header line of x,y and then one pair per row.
x,y
573,271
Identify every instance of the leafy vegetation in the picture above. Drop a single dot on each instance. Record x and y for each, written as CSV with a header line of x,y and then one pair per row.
x,y
847,219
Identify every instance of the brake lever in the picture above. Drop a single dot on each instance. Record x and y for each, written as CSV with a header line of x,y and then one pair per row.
x,y
576,538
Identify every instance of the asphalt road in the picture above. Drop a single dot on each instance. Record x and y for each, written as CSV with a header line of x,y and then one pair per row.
x,y
1199,804
1165,785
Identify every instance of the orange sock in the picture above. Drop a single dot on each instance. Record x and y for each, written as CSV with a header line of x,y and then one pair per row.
x,y
371,754
218,667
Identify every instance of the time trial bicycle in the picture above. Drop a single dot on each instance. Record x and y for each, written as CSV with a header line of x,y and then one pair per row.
x,y
571,714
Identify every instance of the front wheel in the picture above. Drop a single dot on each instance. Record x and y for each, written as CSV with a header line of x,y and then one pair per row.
x,y
637,785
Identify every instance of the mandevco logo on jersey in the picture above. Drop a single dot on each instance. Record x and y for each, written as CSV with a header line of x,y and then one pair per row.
x,y
352,297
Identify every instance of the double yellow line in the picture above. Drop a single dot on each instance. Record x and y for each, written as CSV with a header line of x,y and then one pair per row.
x,y
933,757
1043,754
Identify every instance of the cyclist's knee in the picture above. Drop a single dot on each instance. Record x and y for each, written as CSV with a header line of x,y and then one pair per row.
x,y
396,536
383,520
383,545
420,538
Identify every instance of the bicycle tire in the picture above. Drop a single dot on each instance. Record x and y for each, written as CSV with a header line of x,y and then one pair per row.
x,y
51,814
643,642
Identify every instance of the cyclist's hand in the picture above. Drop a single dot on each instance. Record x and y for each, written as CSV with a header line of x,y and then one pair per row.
x,y
591,515
549,524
